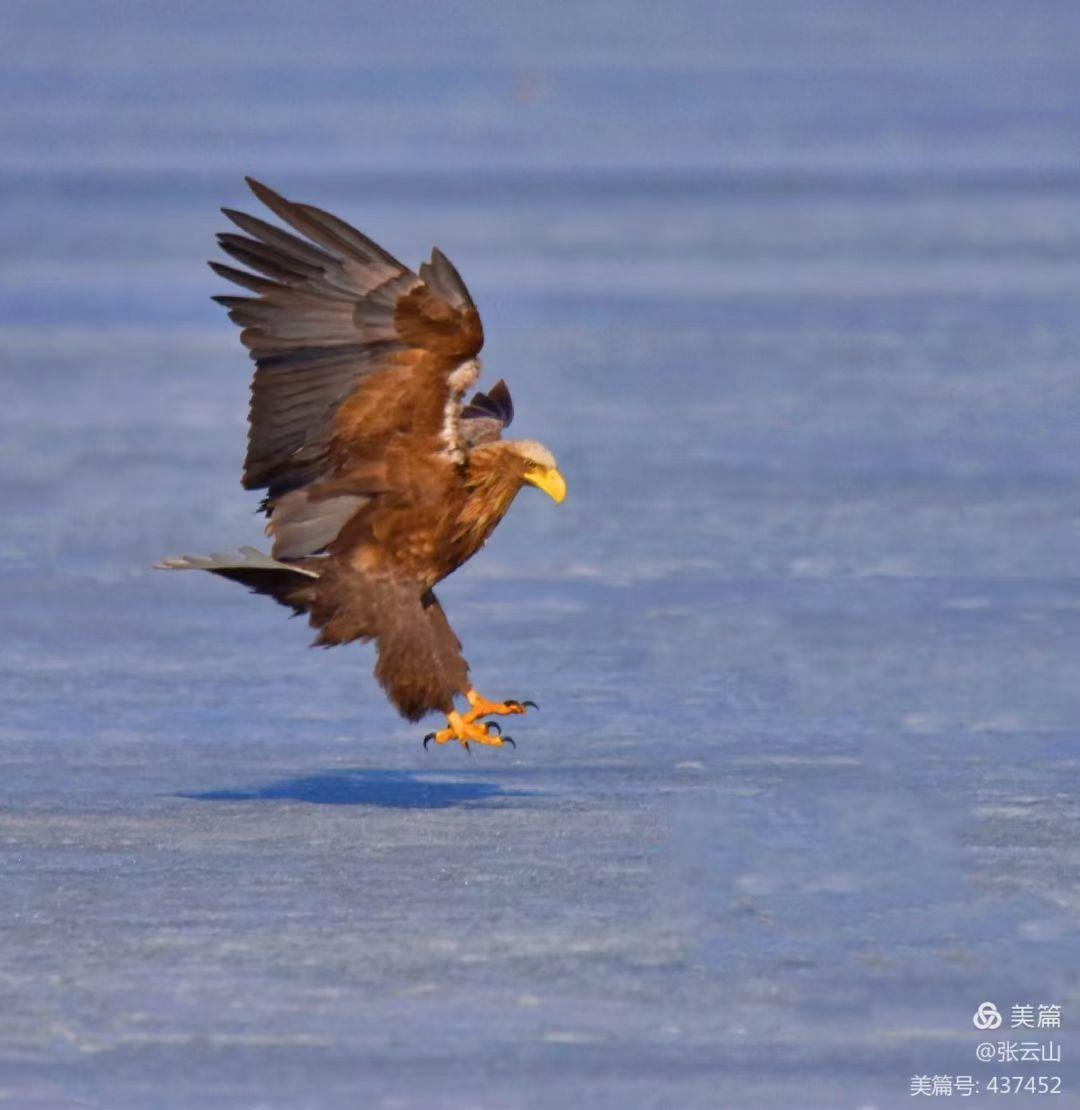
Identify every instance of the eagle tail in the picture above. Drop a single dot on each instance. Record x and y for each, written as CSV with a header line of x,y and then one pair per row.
x,y
289,584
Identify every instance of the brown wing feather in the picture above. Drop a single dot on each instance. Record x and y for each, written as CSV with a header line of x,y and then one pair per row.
x,y
352,348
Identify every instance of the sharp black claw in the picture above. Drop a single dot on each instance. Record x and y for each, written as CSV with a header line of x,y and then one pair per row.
x,y
466,747
509,740
512,703
427,739
494,725
532,703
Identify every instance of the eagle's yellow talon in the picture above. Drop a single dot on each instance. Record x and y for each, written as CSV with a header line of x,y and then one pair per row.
x,y
479,706
465,732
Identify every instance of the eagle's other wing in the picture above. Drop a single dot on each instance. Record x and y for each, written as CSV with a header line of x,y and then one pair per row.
x,y
485,416
352,349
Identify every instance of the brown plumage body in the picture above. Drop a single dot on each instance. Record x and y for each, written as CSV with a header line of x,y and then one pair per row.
x,y
380,480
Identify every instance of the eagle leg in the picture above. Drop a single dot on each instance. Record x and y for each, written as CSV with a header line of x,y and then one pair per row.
x,y
480,707
466,732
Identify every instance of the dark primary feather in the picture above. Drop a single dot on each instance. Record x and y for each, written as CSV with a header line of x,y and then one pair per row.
x,y
440,276
485,416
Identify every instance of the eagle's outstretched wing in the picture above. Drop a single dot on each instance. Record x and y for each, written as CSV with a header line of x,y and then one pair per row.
x,y
352,350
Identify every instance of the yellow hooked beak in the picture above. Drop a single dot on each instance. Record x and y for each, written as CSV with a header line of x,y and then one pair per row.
x,y
550,481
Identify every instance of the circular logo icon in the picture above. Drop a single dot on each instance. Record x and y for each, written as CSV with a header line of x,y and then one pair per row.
x,y
986,1016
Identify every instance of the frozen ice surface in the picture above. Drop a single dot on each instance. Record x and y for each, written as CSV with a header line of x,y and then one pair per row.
x,y
791,291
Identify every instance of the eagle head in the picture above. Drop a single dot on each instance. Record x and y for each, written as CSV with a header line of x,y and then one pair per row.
x,y
538,467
